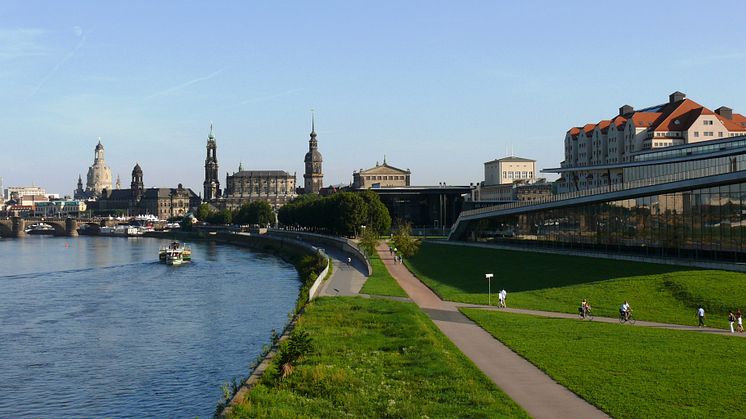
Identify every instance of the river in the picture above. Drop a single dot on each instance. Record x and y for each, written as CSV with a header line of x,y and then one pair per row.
x,y
97,327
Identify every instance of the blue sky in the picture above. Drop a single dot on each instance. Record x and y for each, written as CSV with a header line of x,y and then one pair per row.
x,y
437,87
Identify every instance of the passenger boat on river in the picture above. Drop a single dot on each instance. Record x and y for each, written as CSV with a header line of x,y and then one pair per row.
x,y
175,253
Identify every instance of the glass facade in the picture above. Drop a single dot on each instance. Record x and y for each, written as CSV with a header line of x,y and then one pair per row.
x,y
707,223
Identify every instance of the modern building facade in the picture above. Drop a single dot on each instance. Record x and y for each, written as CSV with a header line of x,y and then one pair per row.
x,y
313,178
592,151
381,176
685,201
17,192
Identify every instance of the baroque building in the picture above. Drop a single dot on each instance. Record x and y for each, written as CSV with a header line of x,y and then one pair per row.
x,y
211,192
313,177
137,200
381,176
276,187
98,178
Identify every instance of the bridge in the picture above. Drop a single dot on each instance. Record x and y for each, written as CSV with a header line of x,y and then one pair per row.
x,y
16,226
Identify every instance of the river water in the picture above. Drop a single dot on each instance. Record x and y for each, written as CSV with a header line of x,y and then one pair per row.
x,y
97,327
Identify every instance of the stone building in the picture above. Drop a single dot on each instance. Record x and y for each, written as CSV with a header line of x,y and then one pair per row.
x,y
508,170
138,200
381,176
212,183
276,187
313,178
98,178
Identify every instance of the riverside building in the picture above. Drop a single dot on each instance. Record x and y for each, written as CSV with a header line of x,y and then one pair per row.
x,y
685,199
594,151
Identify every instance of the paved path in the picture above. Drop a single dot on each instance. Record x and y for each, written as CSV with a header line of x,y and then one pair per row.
x,y
643,323
346,280
533,390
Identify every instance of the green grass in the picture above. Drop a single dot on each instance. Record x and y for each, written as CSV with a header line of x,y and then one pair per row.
x,y
541,281
381,282
627,371
377,358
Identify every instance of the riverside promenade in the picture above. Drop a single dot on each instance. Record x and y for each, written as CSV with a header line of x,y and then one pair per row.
x,y
533,390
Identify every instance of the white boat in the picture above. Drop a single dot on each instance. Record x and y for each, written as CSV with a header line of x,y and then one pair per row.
x,y
175,253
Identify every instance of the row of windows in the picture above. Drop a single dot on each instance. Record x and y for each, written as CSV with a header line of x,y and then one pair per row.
x,y
518,175
384,177
708,222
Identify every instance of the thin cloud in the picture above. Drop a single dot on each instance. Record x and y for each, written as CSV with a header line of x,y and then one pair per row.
x,y
710,59
185,85
21,42
82,38
266,98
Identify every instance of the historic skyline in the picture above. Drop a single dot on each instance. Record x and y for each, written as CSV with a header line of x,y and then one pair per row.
x,y
438,88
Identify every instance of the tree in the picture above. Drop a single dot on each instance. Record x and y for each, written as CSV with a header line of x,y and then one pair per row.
x,y
186,223
379,218
369,240
203,212
404,241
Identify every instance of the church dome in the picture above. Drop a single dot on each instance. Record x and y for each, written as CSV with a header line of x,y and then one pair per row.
x,y
312,156
99,146
137,170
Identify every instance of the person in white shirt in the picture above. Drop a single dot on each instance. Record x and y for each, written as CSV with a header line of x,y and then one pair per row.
x,y
701,316
503,294
624,310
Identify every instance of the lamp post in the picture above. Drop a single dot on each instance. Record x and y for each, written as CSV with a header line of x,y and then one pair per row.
x,y
489,288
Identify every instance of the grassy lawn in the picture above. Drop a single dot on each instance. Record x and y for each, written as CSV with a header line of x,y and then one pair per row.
x,y
377,358
630,372
381,283
551,282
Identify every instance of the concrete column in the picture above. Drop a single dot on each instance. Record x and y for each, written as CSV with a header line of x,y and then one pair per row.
x,y
71,227
19,226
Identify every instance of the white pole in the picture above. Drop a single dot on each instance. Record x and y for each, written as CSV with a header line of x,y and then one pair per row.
x,y
489,288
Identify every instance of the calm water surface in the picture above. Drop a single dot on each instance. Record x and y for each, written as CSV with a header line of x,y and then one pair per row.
x,y
95,326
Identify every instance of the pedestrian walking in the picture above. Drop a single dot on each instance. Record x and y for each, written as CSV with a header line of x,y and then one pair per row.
x,y
739,321
731,320
701,316
502,296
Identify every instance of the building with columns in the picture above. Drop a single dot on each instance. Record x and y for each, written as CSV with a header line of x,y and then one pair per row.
x,y
313,178
381,176
276,187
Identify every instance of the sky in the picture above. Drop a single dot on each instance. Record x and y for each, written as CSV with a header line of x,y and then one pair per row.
x,y
436,87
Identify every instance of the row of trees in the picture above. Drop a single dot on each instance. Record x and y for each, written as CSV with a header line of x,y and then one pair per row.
x,y
257,212
342,213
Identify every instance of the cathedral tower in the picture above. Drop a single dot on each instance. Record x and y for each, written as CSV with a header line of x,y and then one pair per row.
x,y
211,184
137,187
313,177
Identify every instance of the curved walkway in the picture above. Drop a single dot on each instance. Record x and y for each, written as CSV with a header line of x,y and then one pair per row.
x,y
346,280
528,386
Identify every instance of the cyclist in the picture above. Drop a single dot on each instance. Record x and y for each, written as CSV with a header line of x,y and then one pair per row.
x,y
625,310
585,308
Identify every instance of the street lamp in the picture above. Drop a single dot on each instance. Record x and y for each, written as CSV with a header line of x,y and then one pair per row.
x,y
489,288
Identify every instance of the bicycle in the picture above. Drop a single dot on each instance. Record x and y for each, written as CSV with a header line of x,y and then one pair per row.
x,y
588,314
629,318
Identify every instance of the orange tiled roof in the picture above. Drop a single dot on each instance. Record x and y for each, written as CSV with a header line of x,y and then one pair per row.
x,y
588,129
685,112
603,125
736,123
644,119
574,131
619,121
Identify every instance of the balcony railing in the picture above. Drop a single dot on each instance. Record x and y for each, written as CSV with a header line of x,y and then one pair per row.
x,y
641,183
